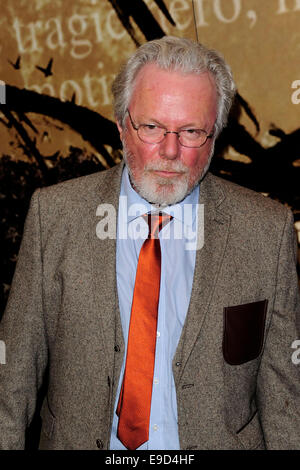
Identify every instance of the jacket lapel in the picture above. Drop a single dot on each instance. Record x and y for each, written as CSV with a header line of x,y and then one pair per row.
x,y
208,263
103,256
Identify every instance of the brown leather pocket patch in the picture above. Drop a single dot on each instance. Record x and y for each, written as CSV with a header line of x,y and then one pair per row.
x,y
244,332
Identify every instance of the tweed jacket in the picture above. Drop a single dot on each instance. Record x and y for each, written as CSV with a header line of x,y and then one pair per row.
x,y
237,385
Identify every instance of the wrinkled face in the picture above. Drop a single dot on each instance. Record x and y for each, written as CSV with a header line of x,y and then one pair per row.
x,y
166,172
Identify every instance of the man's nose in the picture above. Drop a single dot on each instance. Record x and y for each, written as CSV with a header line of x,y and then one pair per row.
x,y
170,146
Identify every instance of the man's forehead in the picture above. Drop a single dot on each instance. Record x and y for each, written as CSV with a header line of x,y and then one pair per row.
x,y
171,90
152,72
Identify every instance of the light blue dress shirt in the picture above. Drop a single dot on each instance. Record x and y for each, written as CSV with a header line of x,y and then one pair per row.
x,y
178,254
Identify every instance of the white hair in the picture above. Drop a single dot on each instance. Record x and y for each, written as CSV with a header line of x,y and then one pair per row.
x,y
178,54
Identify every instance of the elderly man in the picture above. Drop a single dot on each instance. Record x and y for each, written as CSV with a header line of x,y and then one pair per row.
x,y
176,333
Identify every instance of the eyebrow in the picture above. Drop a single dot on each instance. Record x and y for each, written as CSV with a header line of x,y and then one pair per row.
x,y
160,124
155,121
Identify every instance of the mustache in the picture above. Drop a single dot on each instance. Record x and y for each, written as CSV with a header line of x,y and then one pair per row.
x,y
176,167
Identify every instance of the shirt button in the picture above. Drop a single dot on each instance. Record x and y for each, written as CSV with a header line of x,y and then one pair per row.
x,y
158,334
155,427
156,381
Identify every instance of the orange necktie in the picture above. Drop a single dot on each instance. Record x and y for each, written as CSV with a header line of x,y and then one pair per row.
x,y
135,397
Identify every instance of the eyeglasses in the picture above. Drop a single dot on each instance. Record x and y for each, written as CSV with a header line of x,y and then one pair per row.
x,y
153,134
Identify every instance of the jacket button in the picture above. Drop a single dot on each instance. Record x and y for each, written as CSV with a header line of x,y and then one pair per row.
x,y
99,444
117,348
178,364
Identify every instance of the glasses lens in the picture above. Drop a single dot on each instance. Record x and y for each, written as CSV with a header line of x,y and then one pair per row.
x,y
192,137
151,133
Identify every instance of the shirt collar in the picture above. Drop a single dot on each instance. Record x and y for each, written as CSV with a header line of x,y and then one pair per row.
x,y
176,210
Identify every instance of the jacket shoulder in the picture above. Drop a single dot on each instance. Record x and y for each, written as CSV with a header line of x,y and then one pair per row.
x,y
245,201
83,184
78,196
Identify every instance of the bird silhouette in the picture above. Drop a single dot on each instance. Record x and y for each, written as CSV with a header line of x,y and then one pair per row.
x,y
16,65
48,70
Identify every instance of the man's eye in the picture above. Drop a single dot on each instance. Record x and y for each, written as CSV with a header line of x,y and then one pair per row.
x,y
191,131
150,128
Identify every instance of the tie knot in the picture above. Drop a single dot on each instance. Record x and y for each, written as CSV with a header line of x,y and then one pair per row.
x,y
156,222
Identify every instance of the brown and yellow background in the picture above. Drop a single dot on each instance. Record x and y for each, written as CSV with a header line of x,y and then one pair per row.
x,y
59,125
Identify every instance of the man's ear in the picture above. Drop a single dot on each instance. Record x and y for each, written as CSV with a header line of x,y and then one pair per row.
x,y
120,129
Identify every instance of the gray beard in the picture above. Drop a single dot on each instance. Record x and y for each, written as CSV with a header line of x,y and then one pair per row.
x,y
160,191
